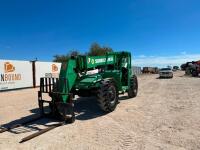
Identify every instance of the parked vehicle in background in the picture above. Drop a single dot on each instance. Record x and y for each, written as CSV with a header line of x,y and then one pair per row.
x,y
185,66
166,73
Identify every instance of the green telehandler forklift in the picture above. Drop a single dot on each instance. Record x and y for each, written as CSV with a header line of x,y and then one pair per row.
x,y
102,76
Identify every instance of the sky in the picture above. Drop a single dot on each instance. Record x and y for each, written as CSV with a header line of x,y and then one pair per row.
x,y
156,32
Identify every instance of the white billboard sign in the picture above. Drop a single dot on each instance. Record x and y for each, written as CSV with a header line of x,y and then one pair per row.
x,y
15,74
46,69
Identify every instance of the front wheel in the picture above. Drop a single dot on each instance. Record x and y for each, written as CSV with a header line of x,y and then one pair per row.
x,y
133,89
107,95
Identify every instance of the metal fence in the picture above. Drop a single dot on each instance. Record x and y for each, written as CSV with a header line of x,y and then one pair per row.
x,y
136,70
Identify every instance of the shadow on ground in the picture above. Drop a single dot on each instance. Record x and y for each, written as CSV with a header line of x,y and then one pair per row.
x,y
85,109
32,123
124,97
162,78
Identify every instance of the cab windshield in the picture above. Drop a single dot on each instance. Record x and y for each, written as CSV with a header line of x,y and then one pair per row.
x,y
165,69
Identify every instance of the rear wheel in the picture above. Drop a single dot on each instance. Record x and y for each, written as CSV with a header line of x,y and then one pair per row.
x,y
107,95
133,90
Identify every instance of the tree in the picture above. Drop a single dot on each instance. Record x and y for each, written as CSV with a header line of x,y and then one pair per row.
x,y
176,67
60,58
97,50
64,58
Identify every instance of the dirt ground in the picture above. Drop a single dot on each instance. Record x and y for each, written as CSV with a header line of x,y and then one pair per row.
x,y
164,115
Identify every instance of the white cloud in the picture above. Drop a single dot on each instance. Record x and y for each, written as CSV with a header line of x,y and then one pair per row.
x,y
142,56
163,61
183,52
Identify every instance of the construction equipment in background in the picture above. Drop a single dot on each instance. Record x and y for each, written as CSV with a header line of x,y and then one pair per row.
x,y
153,70
195,69
186,65
191,68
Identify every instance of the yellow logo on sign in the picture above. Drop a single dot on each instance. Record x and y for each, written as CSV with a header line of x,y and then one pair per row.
x,y
54,68
9,76
8,67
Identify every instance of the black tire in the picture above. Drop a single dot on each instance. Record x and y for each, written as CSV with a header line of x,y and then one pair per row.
x,y
194,73
107,95
133,90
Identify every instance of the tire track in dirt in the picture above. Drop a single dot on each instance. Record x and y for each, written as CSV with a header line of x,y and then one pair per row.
x,y
122,137
100,134
164,115
127,140
180,106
